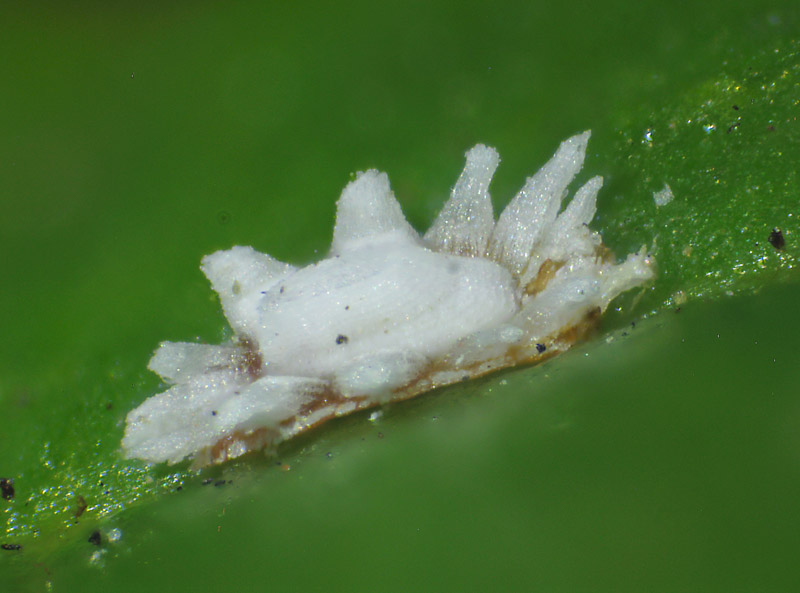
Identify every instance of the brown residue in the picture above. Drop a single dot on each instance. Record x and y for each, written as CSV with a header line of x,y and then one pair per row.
x,y
235,444
546,272
238,443
80,506
251,361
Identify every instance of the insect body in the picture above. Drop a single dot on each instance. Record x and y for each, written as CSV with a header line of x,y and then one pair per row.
x,y
389,313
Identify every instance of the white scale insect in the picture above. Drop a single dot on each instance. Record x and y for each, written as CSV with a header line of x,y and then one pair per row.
x,y
388,314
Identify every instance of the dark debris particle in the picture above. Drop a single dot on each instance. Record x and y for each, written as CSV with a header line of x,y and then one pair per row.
x,y
736,107
179,488
206,482
95,538
220,483
11,546
776,239
540,348
80,506
341,339
7,488
213,412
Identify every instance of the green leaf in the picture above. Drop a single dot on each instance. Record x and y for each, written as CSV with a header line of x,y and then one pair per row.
x,y
659,456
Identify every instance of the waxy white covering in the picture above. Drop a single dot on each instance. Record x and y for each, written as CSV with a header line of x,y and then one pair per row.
x,y
388,313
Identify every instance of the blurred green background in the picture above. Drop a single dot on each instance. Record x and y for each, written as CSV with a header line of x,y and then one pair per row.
x,y
662,455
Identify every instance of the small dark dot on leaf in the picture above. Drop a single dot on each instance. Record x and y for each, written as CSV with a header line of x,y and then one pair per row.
x,y
776,239
340,339
7,488
80,506
95,538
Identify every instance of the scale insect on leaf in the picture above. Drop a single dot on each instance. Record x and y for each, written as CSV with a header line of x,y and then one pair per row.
x,y
389,313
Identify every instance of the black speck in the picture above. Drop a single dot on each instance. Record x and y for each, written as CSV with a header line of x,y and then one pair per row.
x,y
11,546
736,107
340,339
347,307
220,483
179,488
540,348
7,488
624,334
678,310
206,482
776,239
213,412
95,538
281,291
